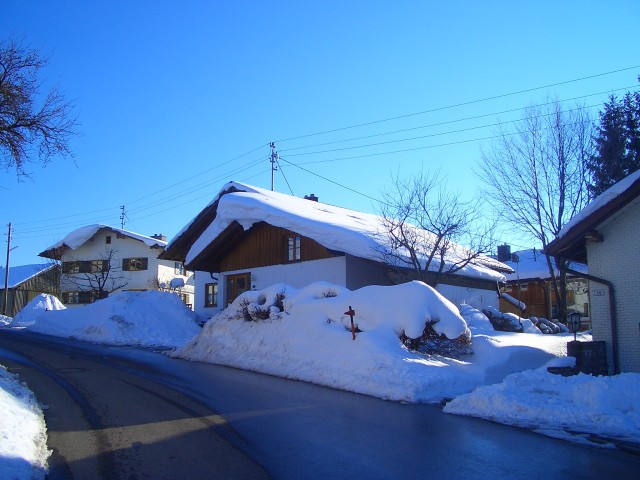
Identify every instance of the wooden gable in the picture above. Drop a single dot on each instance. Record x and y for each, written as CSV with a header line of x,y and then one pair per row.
x,y
260,246
265,245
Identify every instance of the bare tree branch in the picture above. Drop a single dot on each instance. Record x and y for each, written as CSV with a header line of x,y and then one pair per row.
x,y
425,225
536,175
31,124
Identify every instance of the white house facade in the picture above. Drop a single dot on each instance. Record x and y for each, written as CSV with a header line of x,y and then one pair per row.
x,y
99,259
605,234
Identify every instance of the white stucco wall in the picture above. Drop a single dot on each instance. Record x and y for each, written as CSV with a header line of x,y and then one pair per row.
x,y
297,275
617,259
332,270
97,248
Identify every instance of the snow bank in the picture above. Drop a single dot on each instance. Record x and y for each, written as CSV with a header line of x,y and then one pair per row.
x,y
42,303
559,406
311,341
126,318
23,438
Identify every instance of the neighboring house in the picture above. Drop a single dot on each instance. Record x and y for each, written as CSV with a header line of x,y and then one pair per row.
x,y
251,238
25,282
605,236
100,259
531,284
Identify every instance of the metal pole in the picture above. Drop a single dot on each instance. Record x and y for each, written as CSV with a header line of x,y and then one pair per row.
x,y
273,163
6,275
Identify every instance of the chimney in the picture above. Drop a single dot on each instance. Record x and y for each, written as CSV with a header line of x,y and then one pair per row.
x,y
311,197
159,236
504,253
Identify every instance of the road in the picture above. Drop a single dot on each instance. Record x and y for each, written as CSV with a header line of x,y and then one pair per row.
x,y
121,412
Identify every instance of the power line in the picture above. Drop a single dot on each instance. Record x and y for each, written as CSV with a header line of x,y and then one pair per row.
x,y
377,200
439,134
448,122
456,105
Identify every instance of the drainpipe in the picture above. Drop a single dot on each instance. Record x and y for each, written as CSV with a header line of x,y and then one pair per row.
x,y
612,313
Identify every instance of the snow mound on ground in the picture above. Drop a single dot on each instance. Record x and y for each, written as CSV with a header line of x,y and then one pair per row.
x,y
42,302
475,318
311,340
555,405
148,318
23,438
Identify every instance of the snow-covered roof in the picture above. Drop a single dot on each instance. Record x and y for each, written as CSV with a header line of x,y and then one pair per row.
x,y
22,273
336,228
601,201
571,241
80,236
532,264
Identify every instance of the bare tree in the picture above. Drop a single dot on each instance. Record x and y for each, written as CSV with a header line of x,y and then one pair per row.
x,y
31,123
425,226
98,278
536,176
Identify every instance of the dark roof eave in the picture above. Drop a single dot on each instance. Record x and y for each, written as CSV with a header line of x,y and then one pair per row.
x,y
573,245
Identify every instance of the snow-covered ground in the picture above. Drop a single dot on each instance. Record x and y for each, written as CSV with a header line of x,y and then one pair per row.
x,y
306,334
23,435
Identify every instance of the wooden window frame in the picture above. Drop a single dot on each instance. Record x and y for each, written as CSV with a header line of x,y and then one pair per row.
x,y
294,248
211,298
178,268
135,264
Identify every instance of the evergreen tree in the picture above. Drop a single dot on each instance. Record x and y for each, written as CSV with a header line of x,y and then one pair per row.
x,y
617,143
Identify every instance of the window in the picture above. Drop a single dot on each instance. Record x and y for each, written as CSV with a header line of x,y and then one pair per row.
x,y
108,239
71,267
236,285
178,268
211,295
76,297
85,266
135,264
293,248
99,266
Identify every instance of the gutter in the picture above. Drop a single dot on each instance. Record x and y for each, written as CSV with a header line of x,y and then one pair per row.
x,y
612,313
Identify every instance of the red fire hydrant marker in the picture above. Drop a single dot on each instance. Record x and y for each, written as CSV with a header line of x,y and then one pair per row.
x,y
352,313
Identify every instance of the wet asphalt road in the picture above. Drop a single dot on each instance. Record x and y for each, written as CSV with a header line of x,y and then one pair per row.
x,y
120,412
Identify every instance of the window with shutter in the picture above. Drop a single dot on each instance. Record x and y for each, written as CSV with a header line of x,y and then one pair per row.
x,y
135,264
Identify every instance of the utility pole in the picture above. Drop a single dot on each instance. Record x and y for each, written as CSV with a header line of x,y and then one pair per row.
x,y
122,217
274,160
6,274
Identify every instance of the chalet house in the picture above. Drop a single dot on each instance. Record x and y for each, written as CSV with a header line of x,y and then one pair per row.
x,y
100,259
530,283
605,236
24,283
251,238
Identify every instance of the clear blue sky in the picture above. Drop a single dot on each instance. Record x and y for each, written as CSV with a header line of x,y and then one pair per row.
x,y
171,95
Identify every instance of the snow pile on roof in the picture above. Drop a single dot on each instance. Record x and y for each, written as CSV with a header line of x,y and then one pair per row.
x,y
312,341
23,433
40,303
357,233
22,273
600,201
82,235
126,318
532,263
605,406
